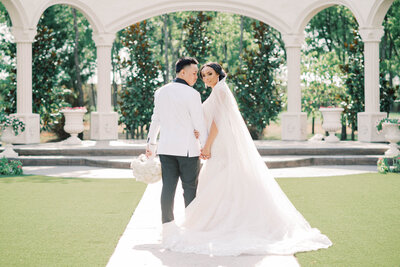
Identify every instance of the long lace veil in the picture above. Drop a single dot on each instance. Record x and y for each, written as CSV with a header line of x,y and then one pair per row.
x,y
245,160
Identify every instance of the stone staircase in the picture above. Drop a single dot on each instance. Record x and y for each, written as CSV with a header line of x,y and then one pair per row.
x,y
276,154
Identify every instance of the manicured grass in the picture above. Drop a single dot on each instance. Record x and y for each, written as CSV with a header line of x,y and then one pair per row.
x,y
77,222
63,221
359,213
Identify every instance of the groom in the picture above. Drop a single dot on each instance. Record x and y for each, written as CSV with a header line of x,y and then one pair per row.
x,y
177,113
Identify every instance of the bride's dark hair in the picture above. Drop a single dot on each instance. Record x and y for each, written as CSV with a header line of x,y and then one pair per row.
x,y
215,66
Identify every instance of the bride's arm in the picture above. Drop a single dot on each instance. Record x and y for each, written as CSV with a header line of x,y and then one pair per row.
x,y
210,140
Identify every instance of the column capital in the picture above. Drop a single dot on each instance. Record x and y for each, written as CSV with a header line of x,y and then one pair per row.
x,y
104,39
23,35
293,40
372,35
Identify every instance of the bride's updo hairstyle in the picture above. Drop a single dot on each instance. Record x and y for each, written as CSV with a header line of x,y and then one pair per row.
x,y
215,66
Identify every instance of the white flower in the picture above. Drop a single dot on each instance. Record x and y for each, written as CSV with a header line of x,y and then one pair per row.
x,y
146,170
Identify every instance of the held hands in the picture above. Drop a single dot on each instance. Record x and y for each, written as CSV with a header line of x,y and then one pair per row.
x,y
205,153
196,134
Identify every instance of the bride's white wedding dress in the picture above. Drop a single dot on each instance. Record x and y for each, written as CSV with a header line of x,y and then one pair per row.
x,y
239,207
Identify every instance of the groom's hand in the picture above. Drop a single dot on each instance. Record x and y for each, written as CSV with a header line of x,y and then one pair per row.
x,y
148,152
196,134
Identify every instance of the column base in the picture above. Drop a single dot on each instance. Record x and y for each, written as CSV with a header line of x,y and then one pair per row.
x,y
104,126
367,122
31,135
294,126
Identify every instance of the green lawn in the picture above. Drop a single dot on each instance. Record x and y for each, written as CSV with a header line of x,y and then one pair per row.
x,y
359,213
77,222
63,221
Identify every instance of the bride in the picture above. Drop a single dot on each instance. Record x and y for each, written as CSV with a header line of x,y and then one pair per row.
x,y
239,207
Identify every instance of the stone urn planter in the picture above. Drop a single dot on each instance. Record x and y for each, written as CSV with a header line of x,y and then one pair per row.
x,y
7,137
331,122
10,126
73,124
392,134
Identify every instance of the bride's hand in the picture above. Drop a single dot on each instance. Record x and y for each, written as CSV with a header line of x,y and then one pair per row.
x,y
205,153
196,134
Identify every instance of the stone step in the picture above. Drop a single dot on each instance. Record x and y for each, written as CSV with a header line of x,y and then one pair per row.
x,y
271,161
137,150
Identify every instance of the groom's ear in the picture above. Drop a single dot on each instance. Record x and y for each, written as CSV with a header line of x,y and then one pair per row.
x,y
181,73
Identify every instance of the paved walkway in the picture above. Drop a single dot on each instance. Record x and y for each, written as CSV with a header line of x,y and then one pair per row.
x,y
140,242
96,172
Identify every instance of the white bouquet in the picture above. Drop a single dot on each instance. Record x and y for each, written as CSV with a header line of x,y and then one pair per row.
x,y
146,170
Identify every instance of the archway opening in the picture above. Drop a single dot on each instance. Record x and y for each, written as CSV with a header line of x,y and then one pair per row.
x,y
63,68
250,51
333,68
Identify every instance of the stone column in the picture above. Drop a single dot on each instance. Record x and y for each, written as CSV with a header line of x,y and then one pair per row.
x,y
294,122
367,120
24,39
104,122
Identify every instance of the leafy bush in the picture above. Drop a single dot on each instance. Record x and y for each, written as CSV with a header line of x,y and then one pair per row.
x,y
379,126
386,165
10,167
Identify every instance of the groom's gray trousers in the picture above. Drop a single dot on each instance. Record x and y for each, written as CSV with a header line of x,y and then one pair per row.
x,y
173,167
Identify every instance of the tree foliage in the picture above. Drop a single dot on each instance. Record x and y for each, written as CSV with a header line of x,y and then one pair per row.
x,y
140,81
390,58
197,42
354,100
258,96
322,82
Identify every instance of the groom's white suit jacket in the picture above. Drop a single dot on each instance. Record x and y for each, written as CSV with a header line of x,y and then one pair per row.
x,y
177,113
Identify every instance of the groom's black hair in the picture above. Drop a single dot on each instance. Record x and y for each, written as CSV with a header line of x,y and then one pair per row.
x,y
183,62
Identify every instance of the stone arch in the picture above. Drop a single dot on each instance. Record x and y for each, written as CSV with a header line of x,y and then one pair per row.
x,y
314,8
91,16
378,12
175,6
17,13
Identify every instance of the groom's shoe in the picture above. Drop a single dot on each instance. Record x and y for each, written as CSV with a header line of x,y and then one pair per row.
x,y
169,234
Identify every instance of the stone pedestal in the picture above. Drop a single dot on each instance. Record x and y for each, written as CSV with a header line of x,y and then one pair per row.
x,y
31,135
104,126
367,122
294,126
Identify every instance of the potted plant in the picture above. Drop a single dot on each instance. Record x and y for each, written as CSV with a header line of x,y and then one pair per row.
x,y
387,164
331,124
391,127
10,127
73,123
